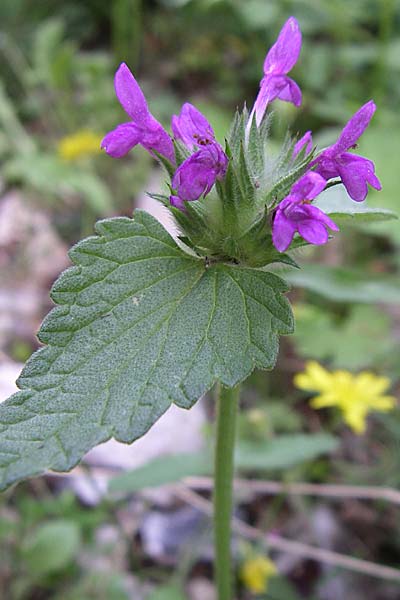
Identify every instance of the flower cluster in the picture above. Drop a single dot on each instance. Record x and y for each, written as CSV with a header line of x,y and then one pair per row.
x,y
197,174
198,164
354,395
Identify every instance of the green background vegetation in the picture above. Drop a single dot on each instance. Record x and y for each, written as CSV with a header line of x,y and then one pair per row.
x,y
57,61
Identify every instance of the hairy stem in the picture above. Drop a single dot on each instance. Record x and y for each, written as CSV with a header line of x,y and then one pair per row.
x,y
227,404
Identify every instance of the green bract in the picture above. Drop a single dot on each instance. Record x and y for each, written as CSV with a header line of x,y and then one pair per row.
x,y
139,325
233,223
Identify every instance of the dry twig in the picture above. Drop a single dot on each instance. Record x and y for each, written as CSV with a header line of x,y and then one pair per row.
x,y
303,489
281,544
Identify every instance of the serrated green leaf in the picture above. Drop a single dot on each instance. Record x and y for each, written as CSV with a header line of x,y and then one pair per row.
x,y
140,324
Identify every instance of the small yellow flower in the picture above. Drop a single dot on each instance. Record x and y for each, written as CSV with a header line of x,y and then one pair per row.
x,y
256,573
354,395
81,143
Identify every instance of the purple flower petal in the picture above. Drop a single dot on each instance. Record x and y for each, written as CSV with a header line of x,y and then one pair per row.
x,y
368,167
154,137
295,213
194,177
374,181
354,181
290,92
130,95
283,231
283,55
177,202
198,173
192,127
278,62
318,214
356,172
325,166
355,127
264,97
144,129
313,231
306,141
308,186
122,139
272,87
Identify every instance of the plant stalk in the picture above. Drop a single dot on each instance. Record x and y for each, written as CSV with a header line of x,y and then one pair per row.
x,y
227,404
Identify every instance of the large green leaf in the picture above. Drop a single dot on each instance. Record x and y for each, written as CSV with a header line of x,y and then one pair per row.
x,y
346,285
280,452
140,324
283,452
162,470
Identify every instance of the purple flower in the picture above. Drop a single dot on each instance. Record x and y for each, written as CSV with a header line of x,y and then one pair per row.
x,y
144,129
279,61
305,141
197,174
355,171
192,127
295,213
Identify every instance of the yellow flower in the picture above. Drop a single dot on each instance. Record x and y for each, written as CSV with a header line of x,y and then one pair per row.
x,y
354,395
256,572
81,143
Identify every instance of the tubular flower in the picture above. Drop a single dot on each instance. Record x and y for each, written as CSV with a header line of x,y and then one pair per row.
x,y
280,59
192,127
295,213
354,395
144,129
256,573
197,174
355,171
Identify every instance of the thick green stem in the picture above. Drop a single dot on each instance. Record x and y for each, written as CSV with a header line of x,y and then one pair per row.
x,y
227,404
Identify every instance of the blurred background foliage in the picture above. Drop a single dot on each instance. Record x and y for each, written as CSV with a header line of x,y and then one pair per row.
x,y
57,61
